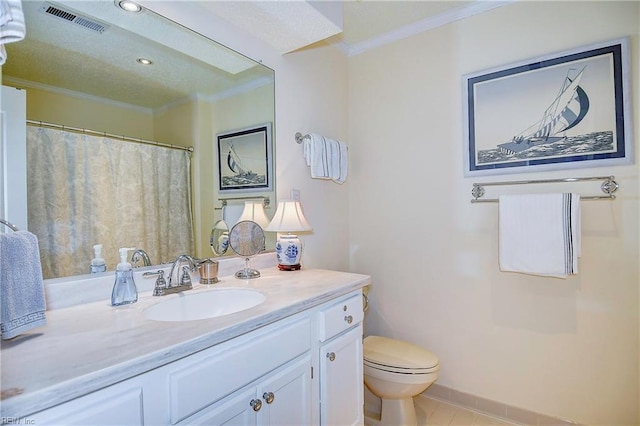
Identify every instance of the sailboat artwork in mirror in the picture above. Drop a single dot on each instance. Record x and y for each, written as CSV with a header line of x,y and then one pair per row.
x,y
88,91
245,163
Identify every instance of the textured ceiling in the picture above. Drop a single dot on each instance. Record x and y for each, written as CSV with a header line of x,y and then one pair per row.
x,y
70,57
57,53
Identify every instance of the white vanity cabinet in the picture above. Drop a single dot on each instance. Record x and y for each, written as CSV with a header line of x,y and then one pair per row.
x,y
282,398
340,358
303,369
255,379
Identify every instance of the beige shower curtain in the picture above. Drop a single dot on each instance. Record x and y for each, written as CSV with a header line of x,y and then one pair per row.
x,y
85,190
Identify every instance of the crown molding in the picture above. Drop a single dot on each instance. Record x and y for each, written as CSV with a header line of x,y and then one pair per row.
x,y
18,82
238,90
424,25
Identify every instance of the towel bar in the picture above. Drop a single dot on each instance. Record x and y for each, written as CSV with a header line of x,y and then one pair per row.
x,y
609,186
266,201
9,225
300,137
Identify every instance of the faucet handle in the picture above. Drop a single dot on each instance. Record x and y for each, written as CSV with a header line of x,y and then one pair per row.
x,y
161,284
185,279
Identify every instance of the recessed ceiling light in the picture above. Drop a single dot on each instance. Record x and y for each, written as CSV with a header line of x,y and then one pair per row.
x,y
129,6
144,61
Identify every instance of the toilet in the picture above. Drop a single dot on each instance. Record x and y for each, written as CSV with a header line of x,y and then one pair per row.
x,y
396,371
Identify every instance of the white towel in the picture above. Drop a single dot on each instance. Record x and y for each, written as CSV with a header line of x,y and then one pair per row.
x,y
231,213
316,155
21,287
339,161
12,27
540,234
5,12
327,158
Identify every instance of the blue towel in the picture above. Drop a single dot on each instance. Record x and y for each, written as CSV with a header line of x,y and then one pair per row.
x,y
22,302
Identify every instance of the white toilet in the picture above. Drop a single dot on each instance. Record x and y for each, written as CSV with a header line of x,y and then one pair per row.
x,y
396,371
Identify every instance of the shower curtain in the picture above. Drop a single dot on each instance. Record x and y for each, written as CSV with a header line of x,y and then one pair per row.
x,y
85,190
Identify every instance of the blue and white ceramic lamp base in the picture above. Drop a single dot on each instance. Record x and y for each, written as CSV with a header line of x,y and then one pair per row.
x,y
288,251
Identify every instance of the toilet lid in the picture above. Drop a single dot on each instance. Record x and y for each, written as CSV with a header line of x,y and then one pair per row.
x,y
397,354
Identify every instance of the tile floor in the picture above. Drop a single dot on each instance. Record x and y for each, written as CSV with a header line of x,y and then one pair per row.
x,y
433,412
438,413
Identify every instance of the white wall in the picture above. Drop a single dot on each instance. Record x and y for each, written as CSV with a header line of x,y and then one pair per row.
x,y
564,348
311,90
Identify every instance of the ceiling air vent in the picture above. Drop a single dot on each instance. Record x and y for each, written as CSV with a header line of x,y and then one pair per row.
x,y
72,17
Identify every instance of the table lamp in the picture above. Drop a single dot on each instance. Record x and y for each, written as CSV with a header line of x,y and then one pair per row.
x,y
288,218
254,211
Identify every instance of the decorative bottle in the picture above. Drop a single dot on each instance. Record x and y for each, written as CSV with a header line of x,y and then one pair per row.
x,y
124,288
97,263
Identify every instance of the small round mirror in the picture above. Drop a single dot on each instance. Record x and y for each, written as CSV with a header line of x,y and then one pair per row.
x,y
247,239
219,238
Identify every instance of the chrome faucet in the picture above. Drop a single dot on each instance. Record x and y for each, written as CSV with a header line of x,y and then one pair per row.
x,y
162,287
139,253
191,266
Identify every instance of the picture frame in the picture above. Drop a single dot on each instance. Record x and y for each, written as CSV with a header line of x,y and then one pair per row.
x,y
245,162
561,111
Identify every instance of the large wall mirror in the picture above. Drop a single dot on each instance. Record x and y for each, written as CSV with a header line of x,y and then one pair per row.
x,y
83,68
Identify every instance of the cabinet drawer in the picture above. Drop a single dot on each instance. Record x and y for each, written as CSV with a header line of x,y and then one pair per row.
x,y
340,316
223,369
120,404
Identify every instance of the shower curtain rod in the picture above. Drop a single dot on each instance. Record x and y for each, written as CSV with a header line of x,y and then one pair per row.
x,y
109,135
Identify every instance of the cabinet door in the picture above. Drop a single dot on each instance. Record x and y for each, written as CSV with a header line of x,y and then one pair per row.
x,y
286,395
281,398
203,379
341,381
236,411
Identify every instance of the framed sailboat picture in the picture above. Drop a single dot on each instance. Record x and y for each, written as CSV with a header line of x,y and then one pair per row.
x,y
245,160
567,110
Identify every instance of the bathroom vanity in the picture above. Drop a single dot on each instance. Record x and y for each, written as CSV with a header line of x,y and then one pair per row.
x,y
295,358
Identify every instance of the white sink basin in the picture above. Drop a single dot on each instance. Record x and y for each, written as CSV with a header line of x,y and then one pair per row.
x,y
209,304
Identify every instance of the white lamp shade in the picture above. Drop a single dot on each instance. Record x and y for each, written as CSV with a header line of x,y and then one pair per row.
x,y
288,218
254,211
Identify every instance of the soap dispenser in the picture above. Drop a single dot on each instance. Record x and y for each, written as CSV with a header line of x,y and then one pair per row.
x,y
124,288
97,263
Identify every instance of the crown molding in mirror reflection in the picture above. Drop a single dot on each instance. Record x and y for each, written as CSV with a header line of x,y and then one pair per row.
x,y
184,98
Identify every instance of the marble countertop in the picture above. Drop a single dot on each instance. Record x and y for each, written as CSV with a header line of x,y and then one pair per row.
x,y
87,347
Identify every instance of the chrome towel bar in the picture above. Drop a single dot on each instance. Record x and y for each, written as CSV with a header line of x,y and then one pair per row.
x,y
266,201
300,137
609,186
9,225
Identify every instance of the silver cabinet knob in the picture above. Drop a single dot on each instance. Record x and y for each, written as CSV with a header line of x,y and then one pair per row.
x,y
268,397
256,404
348,319
331,356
